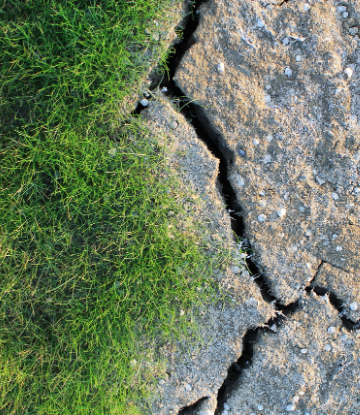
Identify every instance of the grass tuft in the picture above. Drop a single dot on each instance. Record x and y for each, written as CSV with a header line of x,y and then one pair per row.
x,y
90,274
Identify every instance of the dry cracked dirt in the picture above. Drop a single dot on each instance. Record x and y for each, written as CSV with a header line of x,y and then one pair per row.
x,y
269,140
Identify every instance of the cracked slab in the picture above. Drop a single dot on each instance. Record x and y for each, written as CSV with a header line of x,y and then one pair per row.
x,y
294,372
280,84
196,371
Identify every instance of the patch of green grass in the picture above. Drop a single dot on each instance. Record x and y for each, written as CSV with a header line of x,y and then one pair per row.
x,y
93,268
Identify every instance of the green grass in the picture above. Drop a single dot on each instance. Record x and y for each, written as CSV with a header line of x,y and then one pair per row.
x,y
93,268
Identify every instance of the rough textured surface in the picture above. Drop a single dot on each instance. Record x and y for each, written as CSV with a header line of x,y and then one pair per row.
x,y
345,285
310,365
272,83
195,372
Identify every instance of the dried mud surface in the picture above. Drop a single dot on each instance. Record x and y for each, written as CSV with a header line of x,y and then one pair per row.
x,y
274,86
294,139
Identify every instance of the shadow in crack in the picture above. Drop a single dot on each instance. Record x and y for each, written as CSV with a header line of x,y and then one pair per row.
x,y
192,409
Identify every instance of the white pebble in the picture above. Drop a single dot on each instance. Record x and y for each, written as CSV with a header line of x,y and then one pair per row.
x,y
298,58
341,9
296,399
164,89
242,152
226,406
285,41
144,102
262,218
240,181
306,7
353,31
335,196
354,306
269,138
334,237
221,67
260,23
348,72
267,87
303,351
260,407
267,98
331,330
288,72
182,312
357,190
345,15
188,388
338,248
281,212
290,407
328,348
262,203
256,142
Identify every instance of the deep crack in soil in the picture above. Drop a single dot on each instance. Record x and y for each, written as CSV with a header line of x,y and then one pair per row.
x,y
195,115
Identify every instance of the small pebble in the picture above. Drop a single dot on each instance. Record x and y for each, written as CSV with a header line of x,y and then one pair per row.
x,y
221,67
357,190
298,58
261,218
161,381
225,412
262,203
144,102
188,388
303,351
348,72
341,9
306,7
242,152
345,15
269,138
338,248
288,72
335,196
331,330
256,142
353,31
267,87
240,181
328,348
290,407
260,23
164,89
334,237
354,306
285,41
182,312
260,407
296,399
226,406
281,212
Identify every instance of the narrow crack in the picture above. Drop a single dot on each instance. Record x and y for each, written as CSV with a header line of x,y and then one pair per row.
x,y
195,115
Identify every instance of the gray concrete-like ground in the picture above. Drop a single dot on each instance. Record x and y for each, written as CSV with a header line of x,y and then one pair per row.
x,y
279,83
